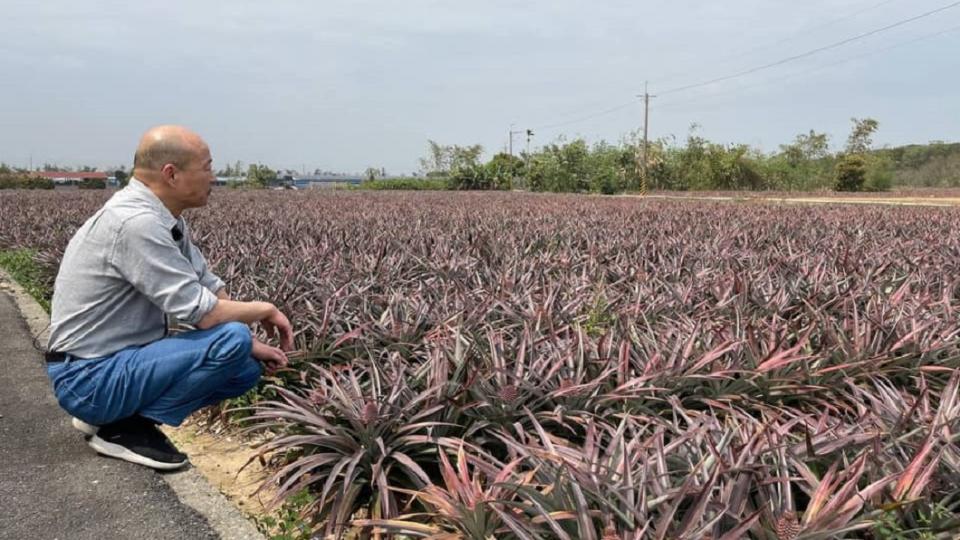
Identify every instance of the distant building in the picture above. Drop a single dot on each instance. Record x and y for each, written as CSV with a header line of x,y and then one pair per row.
x,y
227,180
319,181
64,178
285,179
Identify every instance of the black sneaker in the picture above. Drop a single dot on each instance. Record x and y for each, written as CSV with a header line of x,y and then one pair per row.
x,y
137,440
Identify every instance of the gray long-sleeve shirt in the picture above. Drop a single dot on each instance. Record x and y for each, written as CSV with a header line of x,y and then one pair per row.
x,y
123,272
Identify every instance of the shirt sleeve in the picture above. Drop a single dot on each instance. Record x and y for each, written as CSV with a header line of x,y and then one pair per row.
x,y
207,278
146,255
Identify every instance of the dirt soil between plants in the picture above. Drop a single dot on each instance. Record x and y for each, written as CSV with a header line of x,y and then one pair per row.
x,y
220,456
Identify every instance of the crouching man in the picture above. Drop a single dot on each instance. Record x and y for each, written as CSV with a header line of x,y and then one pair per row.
x,y
113,364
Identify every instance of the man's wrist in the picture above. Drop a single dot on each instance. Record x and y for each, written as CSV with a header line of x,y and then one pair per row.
x,y
259,311
266,310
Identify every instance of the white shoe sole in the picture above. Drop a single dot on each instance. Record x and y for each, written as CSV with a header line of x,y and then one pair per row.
x,y
116,451
85,428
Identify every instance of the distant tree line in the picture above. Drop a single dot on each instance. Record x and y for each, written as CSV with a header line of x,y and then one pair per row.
x,y
805,164
936,164
11,178
695,163
23,178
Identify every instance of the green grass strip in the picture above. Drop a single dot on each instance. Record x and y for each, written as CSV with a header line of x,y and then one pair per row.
x,y
22,267
414,184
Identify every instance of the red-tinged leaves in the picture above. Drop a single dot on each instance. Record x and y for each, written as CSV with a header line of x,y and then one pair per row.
x,y
913,475
575,359
739,532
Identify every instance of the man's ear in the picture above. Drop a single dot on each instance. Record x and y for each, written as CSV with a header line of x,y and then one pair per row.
x,y
167,172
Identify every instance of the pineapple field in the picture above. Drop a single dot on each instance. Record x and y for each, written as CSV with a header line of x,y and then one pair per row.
x,y
511,365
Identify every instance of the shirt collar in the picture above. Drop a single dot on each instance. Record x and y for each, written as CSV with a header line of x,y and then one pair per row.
x,y
139,190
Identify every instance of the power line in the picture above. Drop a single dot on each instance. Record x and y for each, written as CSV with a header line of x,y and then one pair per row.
x,y
587,117
672,104
826,24
624,105
603,112
811,52
793,36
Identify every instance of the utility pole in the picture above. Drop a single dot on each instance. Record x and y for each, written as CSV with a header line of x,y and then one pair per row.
x,y
526,161
512,133
646,122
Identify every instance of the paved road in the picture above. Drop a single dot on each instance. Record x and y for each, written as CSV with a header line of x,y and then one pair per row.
x,y
52,485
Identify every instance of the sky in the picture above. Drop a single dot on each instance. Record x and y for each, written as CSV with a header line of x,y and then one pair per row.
x,y
342,86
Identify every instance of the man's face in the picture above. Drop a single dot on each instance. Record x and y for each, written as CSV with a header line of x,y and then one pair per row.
x,y
195,181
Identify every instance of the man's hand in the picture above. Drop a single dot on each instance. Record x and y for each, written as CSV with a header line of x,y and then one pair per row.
x,y
272,358
277,323
274,323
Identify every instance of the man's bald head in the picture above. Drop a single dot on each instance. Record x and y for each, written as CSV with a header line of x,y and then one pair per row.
x,y
175,164
162,145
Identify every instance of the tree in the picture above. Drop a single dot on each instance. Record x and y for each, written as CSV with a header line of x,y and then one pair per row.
x,y
372,173
260,176
802,164
121,176
232,171
444,160
90,183
502,170
851,172
602,168
861,137
857,169
465,156
879,173
806,147
472,176
437,161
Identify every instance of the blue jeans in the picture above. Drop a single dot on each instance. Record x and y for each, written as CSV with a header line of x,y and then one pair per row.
x,y
166,380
